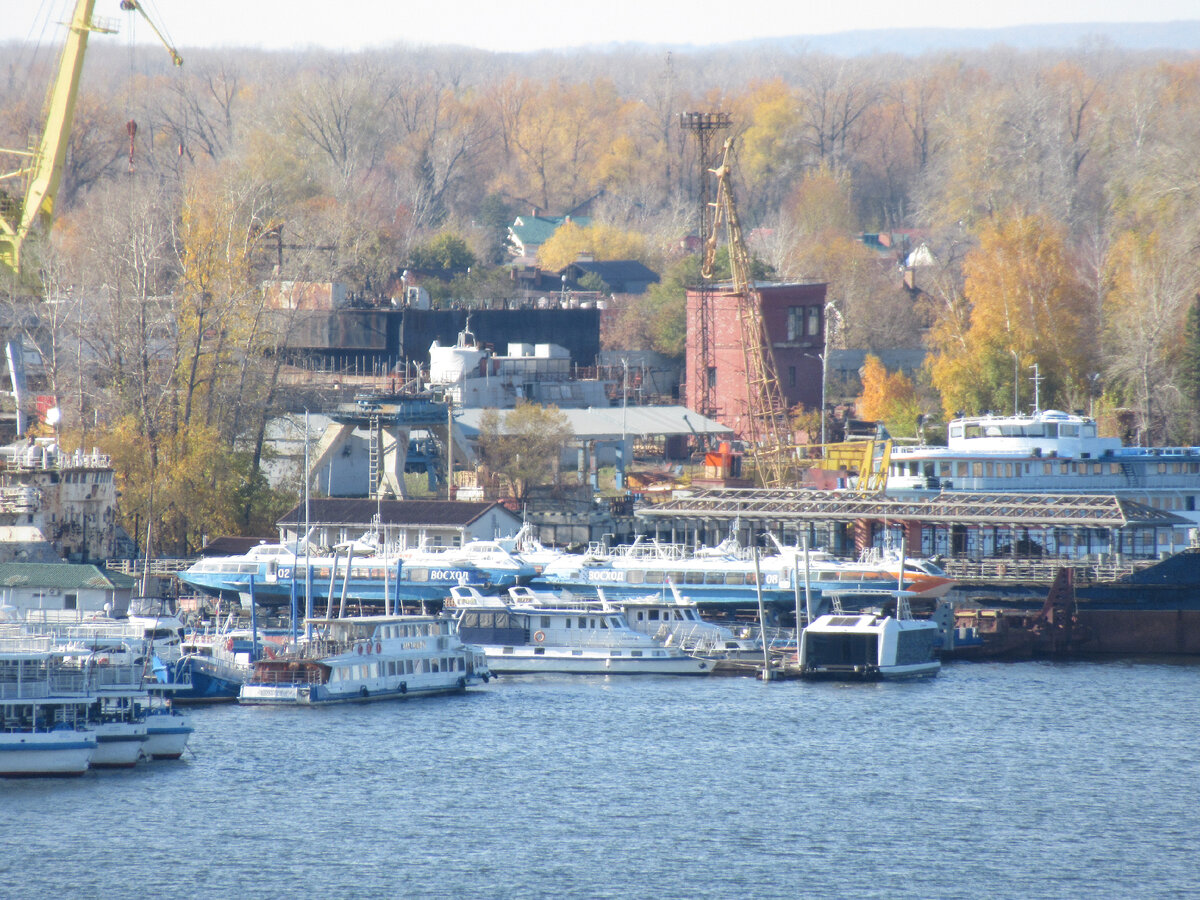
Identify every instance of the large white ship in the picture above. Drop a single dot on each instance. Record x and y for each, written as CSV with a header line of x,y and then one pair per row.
x,y
1052,452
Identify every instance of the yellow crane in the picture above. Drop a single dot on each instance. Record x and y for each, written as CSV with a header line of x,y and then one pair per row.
x,y
40,171
768,420
778,460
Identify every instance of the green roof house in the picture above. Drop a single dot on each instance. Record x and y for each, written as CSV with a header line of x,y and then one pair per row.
x,y
527,233
65,589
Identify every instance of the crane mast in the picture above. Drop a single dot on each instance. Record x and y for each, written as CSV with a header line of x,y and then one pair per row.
x,y
768,426
43,168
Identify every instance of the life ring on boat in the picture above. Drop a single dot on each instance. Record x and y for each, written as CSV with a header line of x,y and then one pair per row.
x,y
404,687
229,645
378,647
539,636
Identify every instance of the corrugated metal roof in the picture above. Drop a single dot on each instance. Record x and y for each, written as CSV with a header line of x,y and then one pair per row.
x,y
359,511
612,421
951,507
66,576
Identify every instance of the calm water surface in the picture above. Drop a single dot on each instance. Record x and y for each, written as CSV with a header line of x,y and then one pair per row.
x,y
992,780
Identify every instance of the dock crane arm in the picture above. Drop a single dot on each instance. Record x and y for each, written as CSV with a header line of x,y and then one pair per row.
x,y
44,167
768,427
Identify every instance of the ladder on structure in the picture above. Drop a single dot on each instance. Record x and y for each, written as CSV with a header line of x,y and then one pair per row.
x,y
373,453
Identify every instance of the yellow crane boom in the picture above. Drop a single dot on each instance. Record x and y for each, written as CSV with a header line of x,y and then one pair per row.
x,y
43,167
768,421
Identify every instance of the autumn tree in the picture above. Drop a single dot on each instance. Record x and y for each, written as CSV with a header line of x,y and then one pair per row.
x,y
1022,307
1154,279
571,240
888,397
524,445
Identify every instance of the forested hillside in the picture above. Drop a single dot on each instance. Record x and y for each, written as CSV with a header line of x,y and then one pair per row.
x,y
1057,193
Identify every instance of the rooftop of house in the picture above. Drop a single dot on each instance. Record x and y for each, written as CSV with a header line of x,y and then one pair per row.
x,y
618,274
359,511
65,576
536,230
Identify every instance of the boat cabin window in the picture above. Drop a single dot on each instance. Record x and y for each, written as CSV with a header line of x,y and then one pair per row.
x,y
635,576
545,621
654,578
603,623
654,615
714,578
1068,429
582,622
567,622
695,578
733,578
615,623
956,431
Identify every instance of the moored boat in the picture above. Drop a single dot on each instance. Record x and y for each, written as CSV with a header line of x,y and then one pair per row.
x,y
43,715
675,621
272,571
167,730
725,578
542,632
869,645
366,658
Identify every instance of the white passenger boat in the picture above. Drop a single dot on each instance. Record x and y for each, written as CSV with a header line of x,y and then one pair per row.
x,y
870,645
531,631
121,737
675,621
726,578
43,716
1052,452
167,729
360,658
25,752
270,572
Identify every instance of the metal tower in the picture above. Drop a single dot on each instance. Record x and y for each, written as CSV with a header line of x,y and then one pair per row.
x,y
704,126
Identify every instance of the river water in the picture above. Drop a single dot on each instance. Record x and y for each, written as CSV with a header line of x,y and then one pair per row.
x,y
992,780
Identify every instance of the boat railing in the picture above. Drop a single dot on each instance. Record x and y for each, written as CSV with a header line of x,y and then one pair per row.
x,y
109,677
297,675
639,550
1041,570
21,642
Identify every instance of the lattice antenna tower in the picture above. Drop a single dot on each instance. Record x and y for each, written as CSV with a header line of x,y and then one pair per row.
x,y
704,126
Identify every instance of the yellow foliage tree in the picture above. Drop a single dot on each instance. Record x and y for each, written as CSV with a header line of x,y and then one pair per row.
x,y
1024,307
600,241
890,398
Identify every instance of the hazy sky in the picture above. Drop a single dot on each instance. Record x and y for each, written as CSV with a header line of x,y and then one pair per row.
x,y
538,24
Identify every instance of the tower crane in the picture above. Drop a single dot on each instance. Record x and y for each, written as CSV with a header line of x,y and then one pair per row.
x,y
40,170
768,421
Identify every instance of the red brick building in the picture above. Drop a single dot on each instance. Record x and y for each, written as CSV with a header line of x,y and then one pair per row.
x,y
794,316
